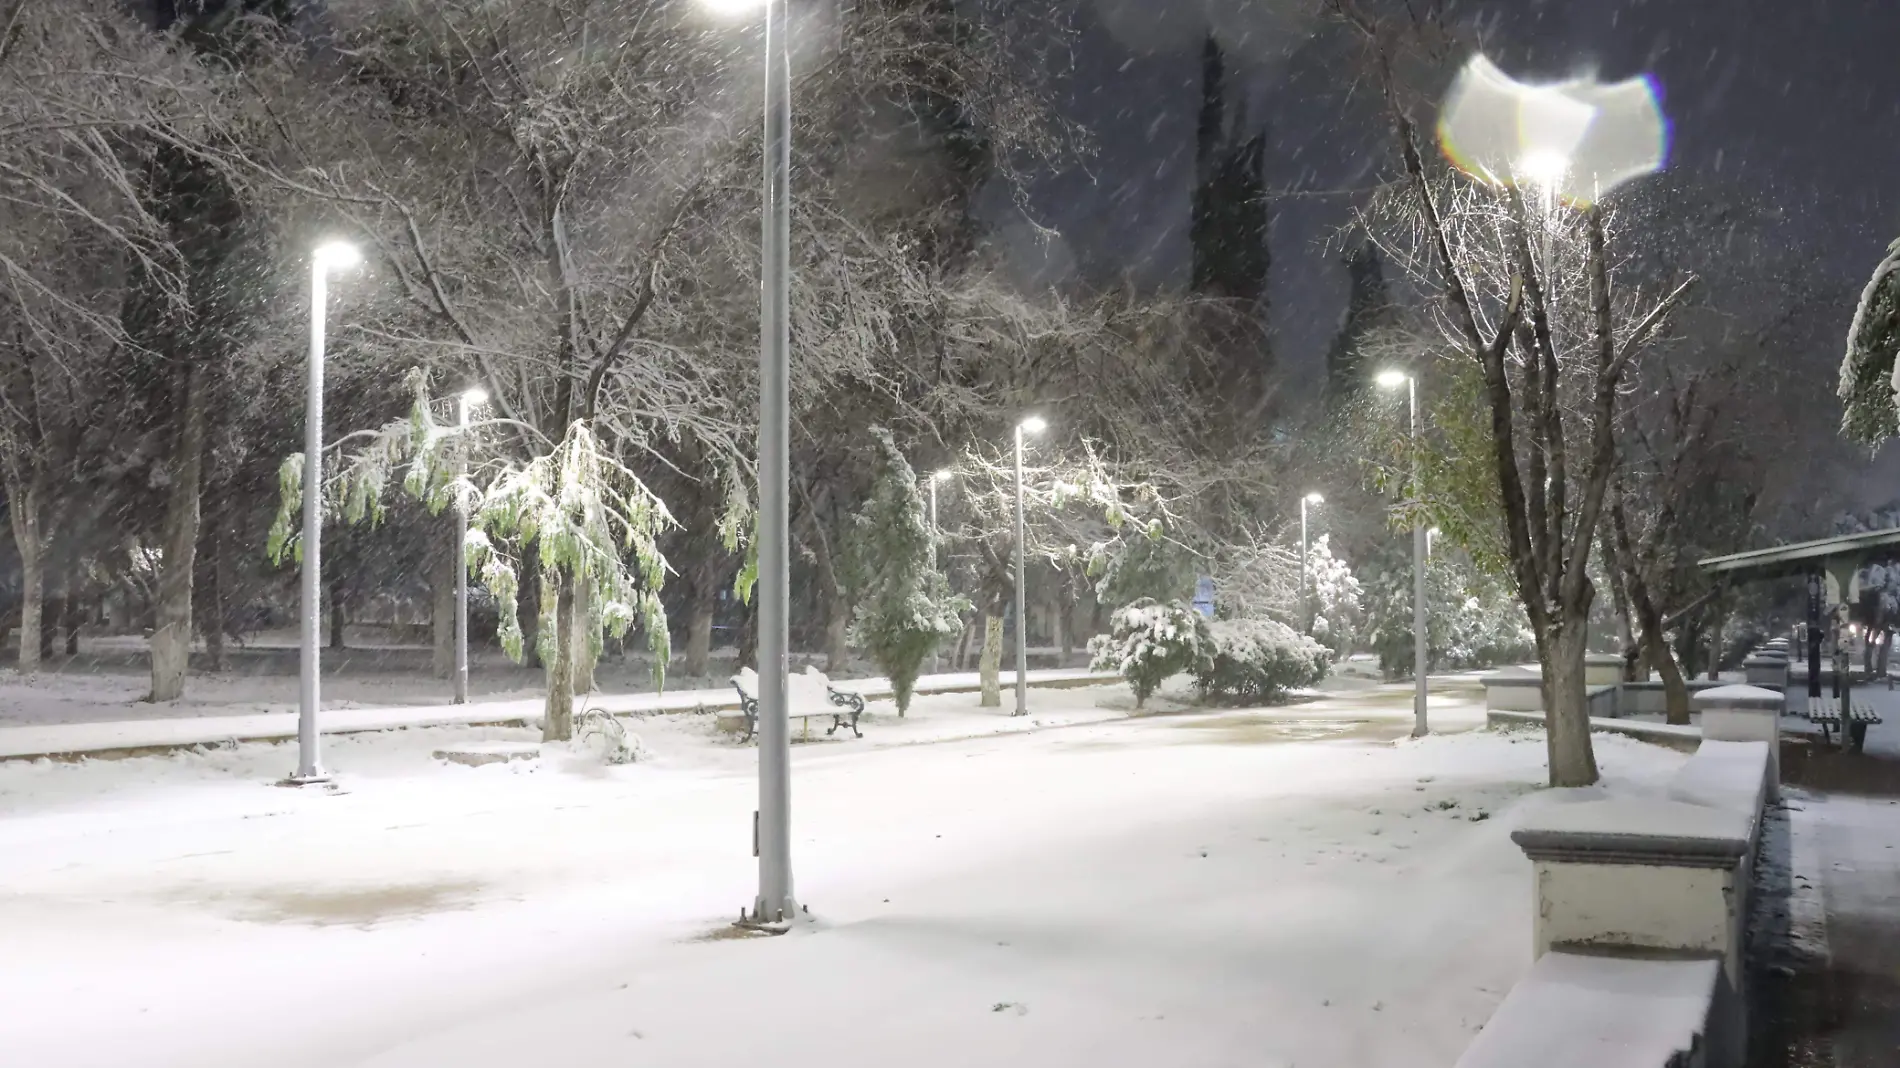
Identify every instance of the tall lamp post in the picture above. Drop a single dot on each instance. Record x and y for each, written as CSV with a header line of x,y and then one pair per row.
x,y
1393,380
772,823
1031,425
1306,552
333,256
470,399
936,479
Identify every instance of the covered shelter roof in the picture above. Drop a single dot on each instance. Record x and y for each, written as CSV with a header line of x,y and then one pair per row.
x,y
1848,552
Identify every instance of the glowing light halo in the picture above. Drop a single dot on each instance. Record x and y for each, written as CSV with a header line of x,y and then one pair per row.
x,y
1576,139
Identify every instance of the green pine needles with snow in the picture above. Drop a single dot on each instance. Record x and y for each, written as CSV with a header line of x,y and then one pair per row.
x,y
1867,372
904,605
591,523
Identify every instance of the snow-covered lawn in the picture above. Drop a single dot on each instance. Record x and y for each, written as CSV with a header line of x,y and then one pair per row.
x,y
1185,890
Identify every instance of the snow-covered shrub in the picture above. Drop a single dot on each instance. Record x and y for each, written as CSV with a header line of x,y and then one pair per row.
x,y
1148,642
1259,660
606,736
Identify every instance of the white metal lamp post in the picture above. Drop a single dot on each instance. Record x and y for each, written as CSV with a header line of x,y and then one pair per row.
x,y
334,256
936,478
470,399
772,823
1393,380
1306,551
1032,425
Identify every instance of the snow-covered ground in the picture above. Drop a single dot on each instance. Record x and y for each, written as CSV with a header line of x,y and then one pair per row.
x,y
1297,887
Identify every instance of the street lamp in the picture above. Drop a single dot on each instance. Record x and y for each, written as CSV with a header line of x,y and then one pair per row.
x,y
772,826
937,477
1031,425
1306,550
332,256
1393,380
470,399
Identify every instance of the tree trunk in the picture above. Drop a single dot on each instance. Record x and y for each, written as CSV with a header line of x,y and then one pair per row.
x,y
837,630
557,723
171,633
960,660
528,606
74,615
32,599
748,643
1065,622
1567,716
990,667
442,615
337,615
703,603
586,634
50,614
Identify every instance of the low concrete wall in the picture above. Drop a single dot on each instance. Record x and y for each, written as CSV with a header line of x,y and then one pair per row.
x,y
1605,1012
1648,698
1657,885
1514,690
1605,701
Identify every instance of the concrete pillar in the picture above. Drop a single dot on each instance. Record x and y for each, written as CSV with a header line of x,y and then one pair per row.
x,y
1767,670
1744,714
1602,669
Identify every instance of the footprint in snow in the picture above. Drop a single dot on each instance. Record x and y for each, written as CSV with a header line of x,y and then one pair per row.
x,y
1010,1006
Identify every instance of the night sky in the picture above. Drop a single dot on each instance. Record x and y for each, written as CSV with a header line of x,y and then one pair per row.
x,y
1793,107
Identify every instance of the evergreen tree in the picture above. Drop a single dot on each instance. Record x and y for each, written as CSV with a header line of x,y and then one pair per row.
x,y
1228,230
904,604
1867,387
1368,308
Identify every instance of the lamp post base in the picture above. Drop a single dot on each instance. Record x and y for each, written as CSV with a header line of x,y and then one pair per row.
x,y
322,778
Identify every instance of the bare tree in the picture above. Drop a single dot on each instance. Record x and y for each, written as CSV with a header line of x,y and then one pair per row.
x,y
1552,342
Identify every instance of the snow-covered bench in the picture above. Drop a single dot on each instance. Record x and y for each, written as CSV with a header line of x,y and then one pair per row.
x,y
1825,712
808,695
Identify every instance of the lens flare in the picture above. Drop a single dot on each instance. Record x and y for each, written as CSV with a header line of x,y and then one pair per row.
x,y
1574,140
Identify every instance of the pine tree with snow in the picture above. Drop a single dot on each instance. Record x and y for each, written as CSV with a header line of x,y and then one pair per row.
x,y
904,605
1868,372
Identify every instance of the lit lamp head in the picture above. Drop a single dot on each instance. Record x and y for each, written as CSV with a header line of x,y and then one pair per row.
x,y
1315,498
1032,425
943,475
475,398
337,255
1392,379
734,8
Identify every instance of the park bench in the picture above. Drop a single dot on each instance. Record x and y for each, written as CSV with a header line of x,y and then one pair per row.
x,y
1825,713
808,695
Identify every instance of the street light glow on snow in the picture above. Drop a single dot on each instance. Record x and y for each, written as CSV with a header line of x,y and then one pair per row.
x,y
1034,425
336,255
1575,139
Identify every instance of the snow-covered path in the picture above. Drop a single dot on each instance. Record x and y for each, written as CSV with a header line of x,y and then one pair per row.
x,y
1194,890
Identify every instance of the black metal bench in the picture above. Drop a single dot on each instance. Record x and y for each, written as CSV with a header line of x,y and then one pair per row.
x,y
800,696
1825,713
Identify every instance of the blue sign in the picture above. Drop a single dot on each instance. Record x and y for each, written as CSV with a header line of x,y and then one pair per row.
x,y
1204,596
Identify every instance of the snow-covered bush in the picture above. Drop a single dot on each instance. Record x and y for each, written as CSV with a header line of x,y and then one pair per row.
x,y
1148,642
1336,598
1259,660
